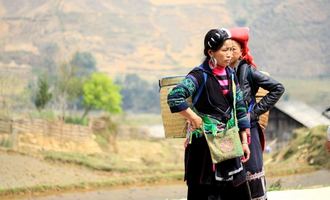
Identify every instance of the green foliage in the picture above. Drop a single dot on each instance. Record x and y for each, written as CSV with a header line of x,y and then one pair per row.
x,y
306,152
139,95
275,186
68,83
76,120
43,95
99,92
288,153
43,114
6,142
68,87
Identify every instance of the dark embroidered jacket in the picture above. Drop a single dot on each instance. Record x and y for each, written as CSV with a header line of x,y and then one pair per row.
x,y
211,100
198,164
250,80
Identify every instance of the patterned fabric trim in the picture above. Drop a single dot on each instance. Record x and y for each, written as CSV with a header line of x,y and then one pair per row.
x,y
236,171
218,178
223,179
261,198
177,96
255,176
261,177
189,84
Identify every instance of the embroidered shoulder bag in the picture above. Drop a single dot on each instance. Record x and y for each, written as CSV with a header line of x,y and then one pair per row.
x,y
223,139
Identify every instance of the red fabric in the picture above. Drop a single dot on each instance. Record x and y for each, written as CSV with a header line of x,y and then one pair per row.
x,y
241,35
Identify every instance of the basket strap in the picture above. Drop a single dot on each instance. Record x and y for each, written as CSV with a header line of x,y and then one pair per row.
x,y
200,89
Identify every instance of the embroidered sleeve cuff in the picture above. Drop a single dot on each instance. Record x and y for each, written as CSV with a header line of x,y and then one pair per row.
x,y
244,123
180,107
244,126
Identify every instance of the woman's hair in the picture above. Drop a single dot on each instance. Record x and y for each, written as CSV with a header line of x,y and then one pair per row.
x,y
214,40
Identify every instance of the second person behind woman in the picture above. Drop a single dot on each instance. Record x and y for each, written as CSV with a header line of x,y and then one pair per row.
x,y
250,79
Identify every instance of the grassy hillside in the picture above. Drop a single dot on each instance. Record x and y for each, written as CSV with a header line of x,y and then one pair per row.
x,y
305,152
157,38
144,38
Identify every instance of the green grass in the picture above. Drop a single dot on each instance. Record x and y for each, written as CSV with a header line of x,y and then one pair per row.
x,y
76,120
122,181
164,158
44,114
134,156
305,153
275,186
134,169
89,161
6,142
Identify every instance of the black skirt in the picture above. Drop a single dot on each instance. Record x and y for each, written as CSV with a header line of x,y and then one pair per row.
x,y
254,166
200,176
221,191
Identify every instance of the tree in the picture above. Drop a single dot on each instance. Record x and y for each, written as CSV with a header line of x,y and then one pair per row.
x,y
12,86
68,86
99,92
43,95
84,62
139,95
69,82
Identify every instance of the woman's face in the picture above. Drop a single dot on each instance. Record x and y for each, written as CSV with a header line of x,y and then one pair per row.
x,y
224,54
237,52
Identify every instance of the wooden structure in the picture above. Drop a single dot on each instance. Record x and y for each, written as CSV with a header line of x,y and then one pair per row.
x,y
289,115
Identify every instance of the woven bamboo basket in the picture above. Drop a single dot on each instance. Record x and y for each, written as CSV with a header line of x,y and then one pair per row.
x,y
174,124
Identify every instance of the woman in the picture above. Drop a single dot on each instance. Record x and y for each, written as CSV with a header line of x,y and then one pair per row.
x,y
205,180
250,79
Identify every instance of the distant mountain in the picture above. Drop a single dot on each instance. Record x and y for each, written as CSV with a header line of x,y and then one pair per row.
x,y
156,38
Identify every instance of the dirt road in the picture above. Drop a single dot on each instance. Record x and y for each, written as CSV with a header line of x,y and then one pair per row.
x,y
177,192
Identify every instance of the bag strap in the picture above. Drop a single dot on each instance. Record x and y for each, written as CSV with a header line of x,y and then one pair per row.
x,y
234,99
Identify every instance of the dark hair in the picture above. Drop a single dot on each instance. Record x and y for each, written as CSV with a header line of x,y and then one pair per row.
x,y
214,40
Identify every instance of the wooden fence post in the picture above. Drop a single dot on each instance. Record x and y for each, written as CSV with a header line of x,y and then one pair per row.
x,y
13,135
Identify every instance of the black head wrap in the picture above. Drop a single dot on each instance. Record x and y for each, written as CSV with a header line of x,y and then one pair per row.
x,y
214,39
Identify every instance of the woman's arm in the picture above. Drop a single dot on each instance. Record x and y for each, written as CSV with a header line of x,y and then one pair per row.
x,y
274,88
245,145
176,100
243,122
241,110
194,120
